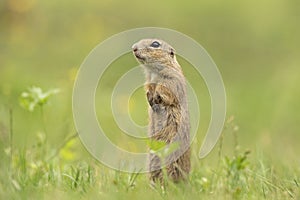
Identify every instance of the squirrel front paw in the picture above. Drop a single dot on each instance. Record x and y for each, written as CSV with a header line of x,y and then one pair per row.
x,y
155,107
155,101
150,98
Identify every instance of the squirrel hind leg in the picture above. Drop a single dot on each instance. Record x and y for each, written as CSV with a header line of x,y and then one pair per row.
x,y
177,171
156,173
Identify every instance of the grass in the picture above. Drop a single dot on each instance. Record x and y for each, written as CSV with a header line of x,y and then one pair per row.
x,y
43,172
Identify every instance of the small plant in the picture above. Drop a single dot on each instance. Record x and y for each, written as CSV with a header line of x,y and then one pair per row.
x,y
34,96
237,164
236,172
79,177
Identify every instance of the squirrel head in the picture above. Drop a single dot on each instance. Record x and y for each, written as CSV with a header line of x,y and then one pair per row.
x,y
155,54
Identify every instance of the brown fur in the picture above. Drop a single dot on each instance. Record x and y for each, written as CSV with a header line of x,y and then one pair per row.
x,y
168,112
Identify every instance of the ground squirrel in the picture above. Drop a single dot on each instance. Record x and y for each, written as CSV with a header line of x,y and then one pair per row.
x,y
168,112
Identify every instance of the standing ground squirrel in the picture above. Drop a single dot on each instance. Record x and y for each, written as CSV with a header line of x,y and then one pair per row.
x,y
168,112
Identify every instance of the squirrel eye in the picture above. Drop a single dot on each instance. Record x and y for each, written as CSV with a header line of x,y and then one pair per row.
x,y
172,52
155,44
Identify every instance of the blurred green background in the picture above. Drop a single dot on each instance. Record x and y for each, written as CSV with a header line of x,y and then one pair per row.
x,y
255,44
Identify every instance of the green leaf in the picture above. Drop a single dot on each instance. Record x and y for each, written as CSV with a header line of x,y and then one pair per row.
x,y
156,145
161,148
170,148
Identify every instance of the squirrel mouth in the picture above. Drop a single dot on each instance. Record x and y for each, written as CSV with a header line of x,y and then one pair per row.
x,y
138,56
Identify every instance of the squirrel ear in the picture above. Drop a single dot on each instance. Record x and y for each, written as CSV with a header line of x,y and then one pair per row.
x,y
172,52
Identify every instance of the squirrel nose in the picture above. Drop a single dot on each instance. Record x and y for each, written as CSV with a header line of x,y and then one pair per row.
x,y
134,48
